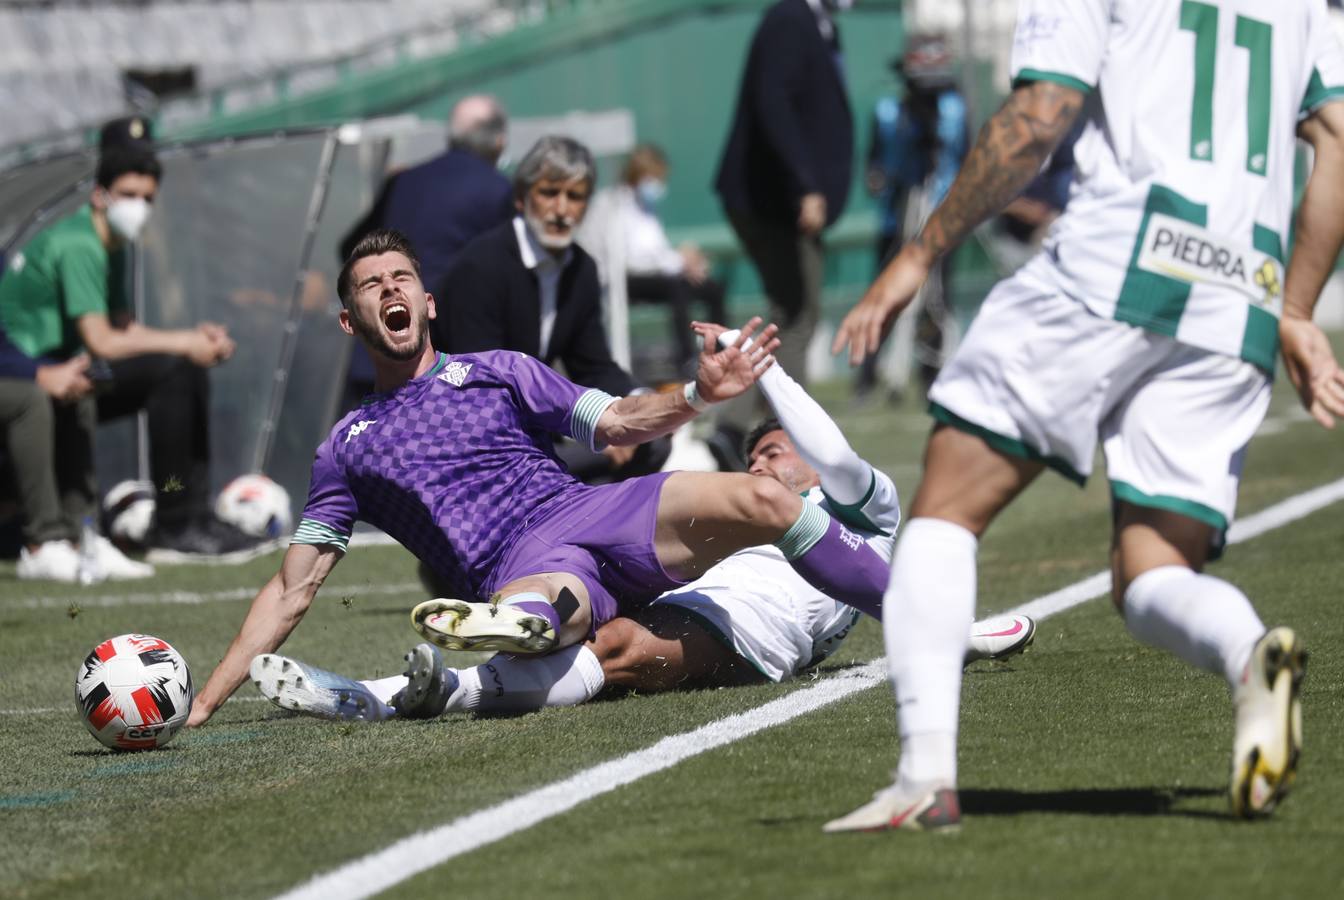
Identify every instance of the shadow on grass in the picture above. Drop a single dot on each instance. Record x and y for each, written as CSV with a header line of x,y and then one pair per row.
x,y
1146,801
1149,801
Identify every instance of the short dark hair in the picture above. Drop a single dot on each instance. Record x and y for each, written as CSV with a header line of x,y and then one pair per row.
x,y
754,436
375,243
127,159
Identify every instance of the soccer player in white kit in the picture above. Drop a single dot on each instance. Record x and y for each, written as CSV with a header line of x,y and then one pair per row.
x,y
1150,321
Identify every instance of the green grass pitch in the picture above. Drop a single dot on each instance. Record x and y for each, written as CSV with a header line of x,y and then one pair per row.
x,y
1090,767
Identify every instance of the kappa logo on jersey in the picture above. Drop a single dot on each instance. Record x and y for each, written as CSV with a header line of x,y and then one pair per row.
x,y
850,539
359,428
1190,253
455,373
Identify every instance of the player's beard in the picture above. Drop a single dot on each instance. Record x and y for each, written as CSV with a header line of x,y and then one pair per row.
x,y
372,335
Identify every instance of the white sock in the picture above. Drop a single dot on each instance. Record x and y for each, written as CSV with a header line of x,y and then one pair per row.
x,y
384,688
1203,620
926,618
564,678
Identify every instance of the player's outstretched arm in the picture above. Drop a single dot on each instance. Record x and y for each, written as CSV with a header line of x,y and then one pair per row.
x,y
846,477
1307,355
1010,150
275,611
722,374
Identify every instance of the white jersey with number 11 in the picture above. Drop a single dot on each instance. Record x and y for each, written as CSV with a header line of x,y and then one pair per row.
x,y
1179,217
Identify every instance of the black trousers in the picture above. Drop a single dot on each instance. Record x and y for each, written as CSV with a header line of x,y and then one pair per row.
x,y
176,395
679,293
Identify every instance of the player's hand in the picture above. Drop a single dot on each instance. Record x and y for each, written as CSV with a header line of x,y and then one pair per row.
x,y
67,381
214,330
695,265
619,456
1312,367
812,214
868,323
199,714
209,345
725,372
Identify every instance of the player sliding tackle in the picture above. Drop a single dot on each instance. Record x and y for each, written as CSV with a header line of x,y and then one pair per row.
x,y
1150,323
450,457
749,618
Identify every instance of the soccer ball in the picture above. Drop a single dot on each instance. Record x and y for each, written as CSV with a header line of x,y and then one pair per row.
x,y
128,512
134,692
255,505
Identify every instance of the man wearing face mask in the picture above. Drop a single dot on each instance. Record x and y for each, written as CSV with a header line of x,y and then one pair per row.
x,y
785,172
65,294
527,286
657,272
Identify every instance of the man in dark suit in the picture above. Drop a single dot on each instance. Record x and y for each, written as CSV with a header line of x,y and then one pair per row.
x,y
785,173
525,285
441,204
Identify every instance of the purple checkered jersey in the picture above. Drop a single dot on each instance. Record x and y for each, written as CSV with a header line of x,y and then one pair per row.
x,y
453,464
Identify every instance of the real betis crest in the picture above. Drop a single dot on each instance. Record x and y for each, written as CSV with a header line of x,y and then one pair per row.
x,y
455,373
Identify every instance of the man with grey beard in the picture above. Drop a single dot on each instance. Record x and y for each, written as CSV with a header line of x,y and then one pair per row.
x,y
527,286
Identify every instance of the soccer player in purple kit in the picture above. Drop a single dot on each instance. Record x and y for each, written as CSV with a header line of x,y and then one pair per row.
x,y
451,456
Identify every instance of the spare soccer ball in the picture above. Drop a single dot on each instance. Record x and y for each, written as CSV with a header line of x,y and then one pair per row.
x,y
134,692
128,512
255,505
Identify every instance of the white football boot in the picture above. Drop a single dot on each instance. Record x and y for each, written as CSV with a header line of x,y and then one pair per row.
x,y
1269,723
429,684
999,637
302,688
907,807
464,625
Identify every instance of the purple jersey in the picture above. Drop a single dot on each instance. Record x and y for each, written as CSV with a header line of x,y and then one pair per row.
x,y
452,464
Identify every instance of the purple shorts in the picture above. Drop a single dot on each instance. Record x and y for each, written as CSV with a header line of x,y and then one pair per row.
x,y
604,537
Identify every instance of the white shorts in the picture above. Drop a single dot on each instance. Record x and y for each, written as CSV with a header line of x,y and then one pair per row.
x,y
769,616
1039,376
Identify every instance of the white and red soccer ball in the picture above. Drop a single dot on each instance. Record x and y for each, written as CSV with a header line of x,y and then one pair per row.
x,y
255,505
134,692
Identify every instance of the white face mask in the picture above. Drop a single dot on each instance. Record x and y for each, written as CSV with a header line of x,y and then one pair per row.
x,y
650,192
126,216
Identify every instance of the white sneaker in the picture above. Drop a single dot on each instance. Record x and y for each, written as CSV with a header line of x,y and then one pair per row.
x,y
51,561
1000,637
464,625
1269,723
117,565
907,807
302,688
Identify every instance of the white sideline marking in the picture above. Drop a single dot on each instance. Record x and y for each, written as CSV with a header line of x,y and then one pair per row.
x,y
424,850
192,598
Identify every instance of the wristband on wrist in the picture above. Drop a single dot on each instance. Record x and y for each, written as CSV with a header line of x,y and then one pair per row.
x,y
693,398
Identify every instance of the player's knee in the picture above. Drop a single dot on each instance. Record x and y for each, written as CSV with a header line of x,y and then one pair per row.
x,y
770,503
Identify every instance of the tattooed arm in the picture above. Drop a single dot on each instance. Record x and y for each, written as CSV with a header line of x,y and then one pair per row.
x,y
1010,150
